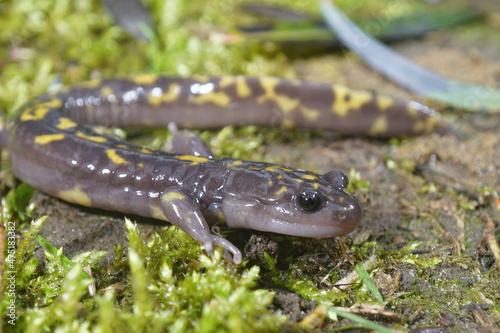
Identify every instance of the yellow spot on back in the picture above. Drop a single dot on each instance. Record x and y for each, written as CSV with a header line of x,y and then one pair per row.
x,y
347,99
65,123
34,114
242,88
75,195
145,150
281,190
144,78
425,126
94,138
219,98
113,156
194,159
285,103
278,167
226,81
235,163
171,95
384,102
379,126
47,138
310,114
309,177
107,91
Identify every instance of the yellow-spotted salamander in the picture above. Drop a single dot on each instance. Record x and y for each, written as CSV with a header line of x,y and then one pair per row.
x,y
54,148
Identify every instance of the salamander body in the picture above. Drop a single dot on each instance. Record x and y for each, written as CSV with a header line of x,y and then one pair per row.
x,y
54,148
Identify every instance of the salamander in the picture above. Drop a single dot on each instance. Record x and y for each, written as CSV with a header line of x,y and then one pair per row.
x,y
54,147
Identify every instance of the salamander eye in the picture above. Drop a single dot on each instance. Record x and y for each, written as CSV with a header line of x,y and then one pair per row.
x,y
309,200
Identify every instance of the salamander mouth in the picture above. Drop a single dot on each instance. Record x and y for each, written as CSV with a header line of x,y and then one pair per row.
x,y
316,231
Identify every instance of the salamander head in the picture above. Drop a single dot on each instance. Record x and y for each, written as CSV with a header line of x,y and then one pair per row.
x,y
291,202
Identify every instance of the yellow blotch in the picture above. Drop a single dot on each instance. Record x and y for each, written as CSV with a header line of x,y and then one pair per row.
x,y
169,196
107,91
90,84
157,213
285,103
242,88
384,102
279,167
193,159
227,80
113,156
95,138
379,126
346,99
281,190
315,186
310,114
425,126
65,123
54,103
75,195
309,177
47,138
146,150
219,98
235,163
171,95
34,114
144,78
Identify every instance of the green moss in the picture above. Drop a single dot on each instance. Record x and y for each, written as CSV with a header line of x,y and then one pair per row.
x,y
172,284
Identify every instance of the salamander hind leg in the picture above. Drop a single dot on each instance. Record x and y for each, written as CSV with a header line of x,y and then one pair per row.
x,y
188,143
182,210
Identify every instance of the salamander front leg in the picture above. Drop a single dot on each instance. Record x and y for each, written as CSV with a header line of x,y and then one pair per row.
x,y
188,143
182,210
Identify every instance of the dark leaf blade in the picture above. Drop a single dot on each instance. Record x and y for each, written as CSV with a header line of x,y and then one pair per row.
x,y
406,73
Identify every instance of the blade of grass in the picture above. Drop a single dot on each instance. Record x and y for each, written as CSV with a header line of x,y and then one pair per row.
x,y
54,251
368,282
406,73
360,320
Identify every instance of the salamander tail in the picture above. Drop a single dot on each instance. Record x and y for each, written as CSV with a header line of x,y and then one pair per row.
x,y
3,131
